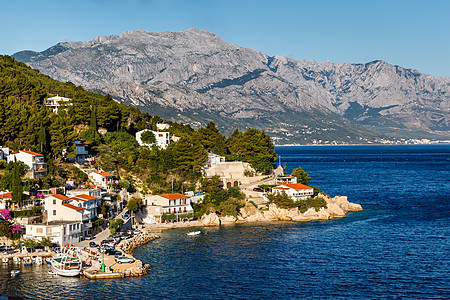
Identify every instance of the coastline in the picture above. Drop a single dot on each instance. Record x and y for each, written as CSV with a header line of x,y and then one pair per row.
x,y
337,207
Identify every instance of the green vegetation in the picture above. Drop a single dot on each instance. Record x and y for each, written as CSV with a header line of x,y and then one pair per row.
x,y
148,137
282,200
302,176
30,243
114,225
46,242
35,211
134,204
26,124
223,202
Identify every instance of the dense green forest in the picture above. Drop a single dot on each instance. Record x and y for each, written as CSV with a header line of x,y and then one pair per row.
x,y
26,124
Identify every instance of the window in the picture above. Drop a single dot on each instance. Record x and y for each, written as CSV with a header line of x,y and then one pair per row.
x,y
54,201
39,230
54,212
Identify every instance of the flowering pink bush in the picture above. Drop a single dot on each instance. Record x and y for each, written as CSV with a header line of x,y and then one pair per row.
x,y
6,214
15,228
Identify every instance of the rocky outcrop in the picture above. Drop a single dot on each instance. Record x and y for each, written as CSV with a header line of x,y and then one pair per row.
x,y
210,220
195,73
337,207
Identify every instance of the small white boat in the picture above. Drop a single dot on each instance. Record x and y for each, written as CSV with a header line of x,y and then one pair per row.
x,y
48,260
5,260
67,263
38,260
15,273
16,259
193,233
27,261
51,273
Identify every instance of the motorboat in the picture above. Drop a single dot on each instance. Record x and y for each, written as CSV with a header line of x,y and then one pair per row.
x,y
48,260
27,261
51,273
38,260
16,259
14,273
5,260
193,233
68,263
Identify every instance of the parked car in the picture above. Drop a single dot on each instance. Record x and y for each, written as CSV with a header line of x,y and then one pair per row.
x,y
39,248
258,189
93,244
136,232
124,259
89,237
126,216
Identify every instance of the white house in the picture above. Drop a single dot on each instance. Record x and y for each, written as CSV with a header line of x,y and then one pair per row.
x,y
35,161
56,102
296,191
5,197
285,179
162,126
90,204
175,203
59,232
162,138
213,160
81,150
104,179
60,208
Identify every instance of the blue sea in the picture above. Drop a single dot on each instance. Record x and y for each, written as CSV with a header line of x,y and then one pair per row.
x,y
398,247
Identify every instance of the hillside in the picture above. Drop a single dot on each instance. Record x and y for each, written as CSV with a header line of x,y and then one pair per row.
x,y
25,123
195,77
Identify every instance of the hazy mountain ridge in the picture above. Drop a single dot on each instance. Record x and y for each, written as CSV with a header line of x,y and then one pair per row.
x,y
195,71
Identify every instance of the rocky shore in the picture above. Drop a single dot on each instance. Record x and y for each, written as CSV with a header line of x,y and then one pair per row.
x,y
128,245
337,207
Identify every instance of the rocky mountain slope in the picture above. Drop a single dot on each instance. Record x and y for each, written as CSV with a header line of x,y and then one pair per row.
x,y
194,76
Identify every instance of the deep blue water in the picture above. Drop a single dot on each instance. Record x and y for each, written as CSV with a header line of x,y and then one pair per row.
x,y
398,247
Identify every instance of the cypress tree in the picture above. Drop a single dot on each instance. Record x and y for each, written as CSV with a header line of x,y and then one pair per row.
x,y
93,123
42,139
17,190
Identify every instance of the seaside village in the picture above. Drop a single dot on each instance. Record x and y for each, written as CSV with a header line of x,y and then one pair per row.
x,y
66,226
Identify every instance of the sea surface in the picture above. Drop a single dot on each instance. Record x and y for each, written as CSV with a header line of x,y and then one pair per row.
x,y
398,247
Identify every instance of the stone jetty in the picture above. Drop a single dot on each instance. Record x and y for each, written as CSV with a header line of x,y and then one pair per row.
x,y
115,270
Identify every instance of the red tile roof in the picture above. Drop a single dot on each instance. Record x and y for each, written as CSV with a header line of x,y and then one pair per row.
x,y
86,197
174,196
105,174
6,196
298,186
31,152
60,197
78,199
72,206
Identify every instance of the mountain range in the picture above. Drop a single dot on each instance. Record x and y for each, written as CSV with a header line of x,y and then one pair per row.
x,y
193,76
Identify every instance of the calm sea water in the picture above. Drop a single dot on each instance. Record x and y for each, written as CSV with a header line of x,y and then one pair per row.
x,y
398,247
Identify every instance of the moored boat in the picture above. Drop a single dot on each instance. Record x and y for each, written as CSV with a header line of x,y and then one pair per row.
x,y
15,273
67,263
38,260
5,260
48,260
16,259
193,233
27,261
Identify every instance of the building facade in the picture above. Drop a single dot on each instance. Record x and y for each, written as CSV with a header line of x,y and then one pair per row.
x,y
34,161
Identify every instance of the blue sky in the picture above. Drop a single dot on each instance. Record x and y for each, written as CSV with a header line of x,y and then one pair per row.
x,y
409,33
